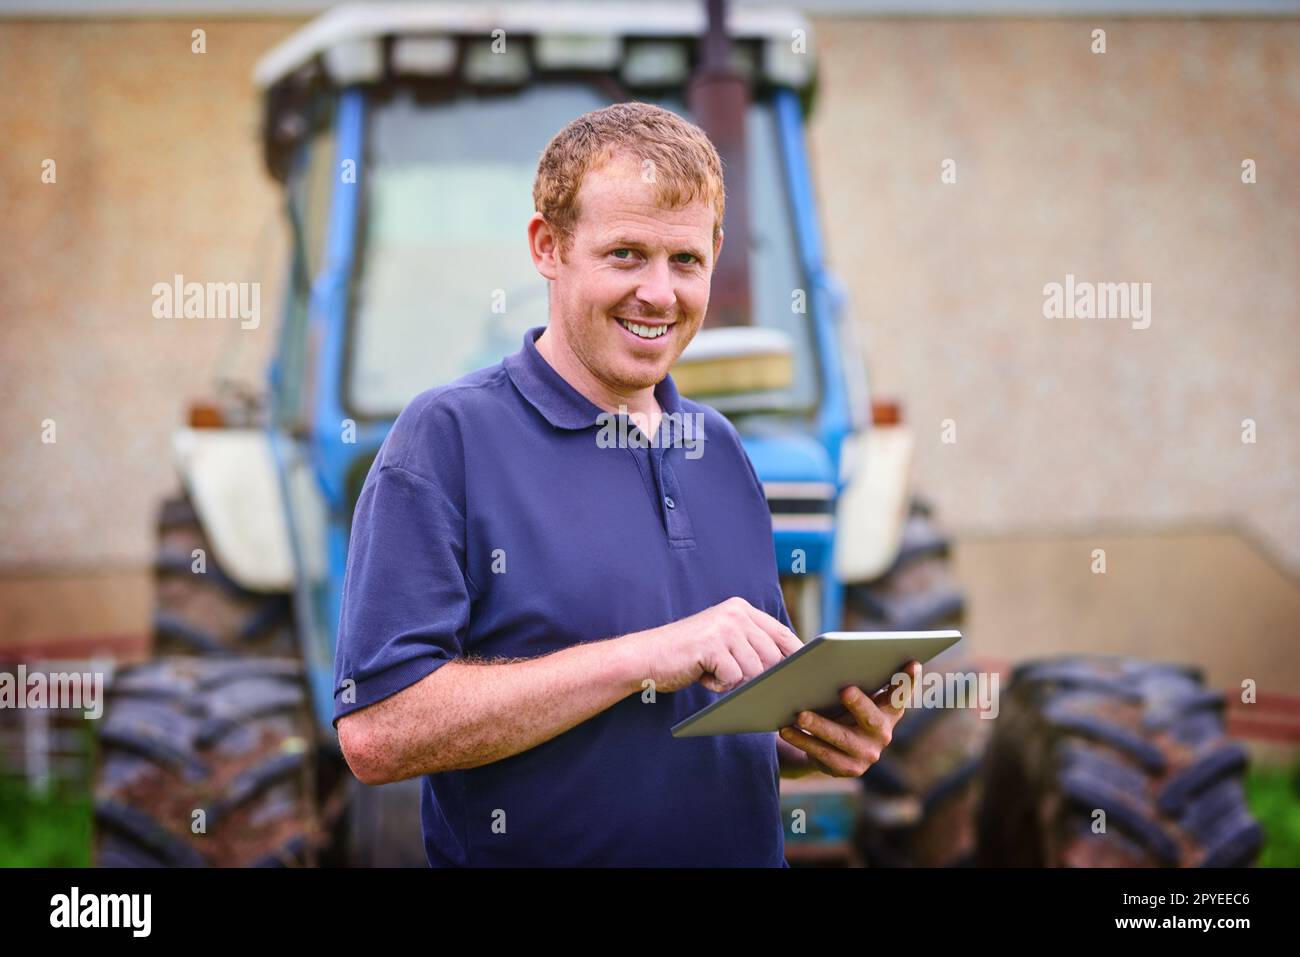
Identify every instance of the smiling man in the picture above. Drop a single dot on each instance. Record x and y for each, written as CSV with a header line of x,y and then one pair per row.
x,y
528,611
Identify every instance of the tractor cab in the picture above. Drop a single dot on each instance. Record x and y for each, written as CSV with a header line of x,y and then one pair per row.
x,y
407,140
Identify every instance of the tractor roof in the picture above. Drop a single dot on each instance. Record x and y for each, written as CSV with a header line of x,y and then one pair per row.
x,y
344,26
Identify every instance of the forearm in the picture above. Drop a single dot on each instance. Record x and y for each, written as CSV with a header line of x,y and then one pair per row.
x,y
468,713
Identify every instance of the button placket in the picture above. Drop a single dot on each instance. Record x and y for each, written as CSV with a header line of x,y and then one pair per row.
x,y
676,519
647,467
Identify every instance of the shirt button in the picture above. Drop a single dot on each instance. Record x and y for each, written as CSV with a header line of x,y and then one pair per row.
x,y
668,500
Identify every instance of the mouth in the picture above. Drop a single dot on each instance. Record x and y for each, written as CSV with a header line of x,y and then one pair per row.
x,y
647,332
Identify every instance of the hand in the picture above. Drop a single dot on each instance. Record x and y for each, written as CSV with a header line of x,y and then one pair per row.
x,y
847,745
720,647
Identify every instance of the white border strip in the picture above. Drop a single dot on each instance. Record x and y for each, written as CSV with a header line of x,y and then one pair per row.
x,y
799,490
803,523
182,9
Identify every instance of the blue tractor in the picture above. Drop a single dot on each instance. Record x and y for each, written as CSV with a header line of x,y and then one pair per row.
x,y
406,138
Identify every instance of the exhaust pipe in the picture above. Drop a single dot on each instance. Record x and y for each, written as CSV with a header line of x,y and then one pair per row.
x,y
718,97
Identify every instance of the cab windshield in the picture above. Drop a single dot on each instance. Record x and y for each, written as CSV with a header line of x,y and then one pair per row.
x,y
444,282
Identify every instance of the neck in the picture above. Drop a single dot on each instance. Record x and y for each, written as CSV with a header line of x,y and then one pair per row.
x,y
553,347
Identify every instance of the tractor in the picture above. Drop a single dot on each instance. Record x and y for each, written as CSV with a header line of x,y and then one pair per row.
x,y
405,138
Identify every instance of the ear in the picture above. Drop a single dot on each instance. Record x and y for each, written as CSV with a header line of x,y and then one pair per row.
x,y
544,245
717,247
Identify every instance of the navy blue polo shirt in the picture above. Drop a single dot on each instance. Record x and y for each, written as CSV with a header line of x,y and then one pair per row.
x,y
498,521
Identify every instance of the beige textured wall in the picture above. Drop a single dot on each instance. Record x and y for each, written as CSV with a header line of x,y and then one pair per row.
x,y
158,172
1124,166
1116,167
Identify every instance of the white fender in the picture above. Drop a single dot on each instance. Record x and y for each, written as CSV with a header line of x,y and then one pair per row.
x,y
874,503
231,478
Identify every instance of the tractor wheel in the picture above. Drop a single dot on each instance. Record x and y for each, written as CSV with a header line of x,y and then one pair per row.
x,y
1142,742
920,797
918,806
204,612
230,738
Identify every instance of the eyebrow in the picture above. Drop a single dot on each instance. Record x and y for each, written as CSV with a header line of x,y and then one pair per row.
x,y
619,242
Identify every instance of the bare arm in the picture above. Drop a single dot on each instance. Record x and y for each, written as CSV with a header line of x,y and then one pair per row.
x,y
466,714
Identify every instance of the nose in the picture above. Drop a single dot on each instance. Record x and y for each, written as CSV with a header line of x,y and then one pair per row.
x,y
656,289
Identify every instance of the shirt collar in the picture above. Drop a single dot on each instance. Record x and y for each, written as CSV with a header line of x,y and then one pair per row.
x,y
560,403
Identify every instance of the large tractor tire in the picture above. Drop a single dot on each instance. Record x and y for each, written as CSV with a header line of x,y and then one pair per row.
x,y
1142,742
223,646
205,612
919,798
231,738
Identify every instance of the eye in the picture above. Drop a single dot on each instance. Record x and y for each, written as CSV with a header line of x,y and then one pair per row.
x,y
616,252
690,256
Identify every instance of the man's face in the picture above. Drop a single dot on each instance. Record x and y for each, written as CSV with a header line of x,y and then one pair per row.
x,y
631,262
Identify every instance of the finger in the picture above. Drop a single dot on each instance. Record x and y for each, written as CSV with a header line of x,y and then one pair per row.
x,y
766,649
785,639
894,697
870,717
726,670
836,761
800,759
750,663
832,732
710,681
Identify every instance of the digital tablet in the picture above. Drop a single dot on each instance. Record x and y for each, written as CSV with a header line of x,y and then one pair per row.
x,y
811,680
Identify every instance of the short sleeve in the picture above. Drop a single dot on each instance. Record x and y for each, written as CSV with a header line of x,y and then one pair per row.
x,y
406,597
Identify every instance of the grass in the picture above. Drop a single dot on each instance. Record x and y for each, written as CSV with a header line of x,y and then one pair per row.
x,y
51,830
1273,794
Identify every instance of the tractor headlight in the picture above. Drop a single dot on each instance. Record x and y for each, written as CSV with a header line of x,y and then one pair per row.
x,y
496,62
356,60
562,51
424,56
655,63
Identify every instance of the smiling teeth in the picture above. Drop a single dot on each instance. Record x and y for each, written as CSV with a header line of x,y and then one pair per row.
x,y
645,332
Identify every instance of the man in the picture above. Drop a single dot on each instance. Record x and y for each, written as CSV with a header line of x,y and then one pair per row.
x,y
527,611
